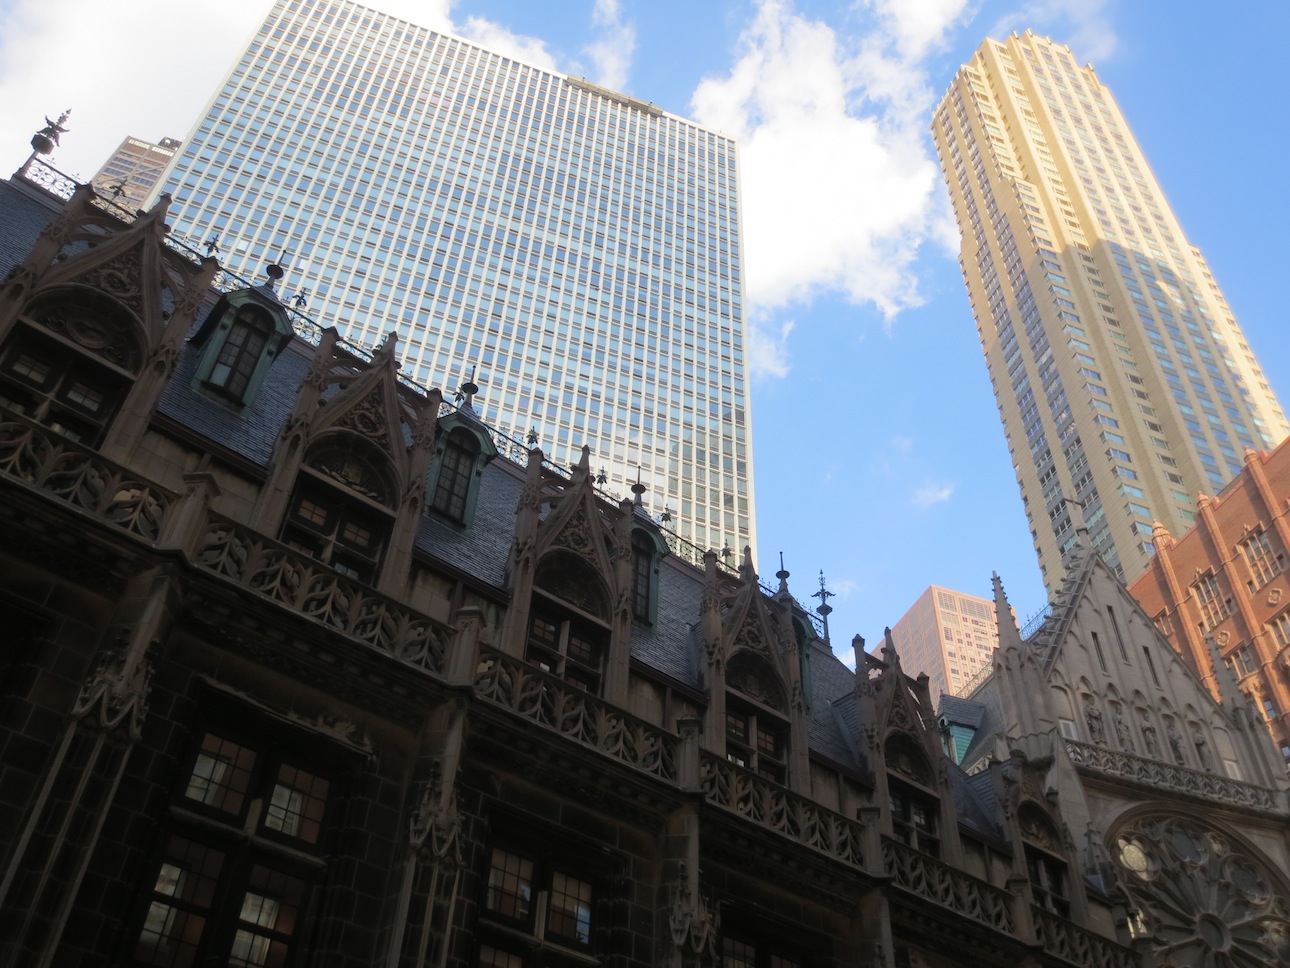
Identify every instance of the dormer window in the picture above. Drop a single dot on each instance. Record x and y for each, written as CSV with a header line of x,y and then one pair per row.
x,y
757,730
915,809
456,470
239,338
463,448
69,394
568,633
642,575
243,346
1044,864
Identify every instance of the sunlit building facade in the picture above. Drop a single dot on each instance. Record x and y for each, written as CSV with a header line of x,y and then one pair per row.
x,y
131,175
948,635
1124,382
579,248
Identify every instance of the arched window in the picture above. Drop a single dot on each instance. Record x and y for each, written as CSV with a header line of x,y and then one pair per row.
x,y
568,634
456,469
1044,863
240,354
72,371
915,808
757,730
340,512
1203,896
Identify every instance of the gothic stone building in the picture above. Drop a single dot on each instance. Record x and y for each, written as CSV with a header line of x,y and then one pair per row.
x,y
1175,798
304,665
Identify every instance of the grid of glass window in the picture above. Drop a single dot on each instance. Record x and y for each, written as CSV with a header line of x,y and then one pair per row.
x,y
582,249
218,895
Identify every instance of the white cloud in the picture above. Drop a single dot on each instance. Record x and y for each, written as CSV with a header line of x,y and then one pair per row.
x,y
1081,24
768,350
488,33
611,53
918,26
838,188
902,445
134,68
932,493
843,588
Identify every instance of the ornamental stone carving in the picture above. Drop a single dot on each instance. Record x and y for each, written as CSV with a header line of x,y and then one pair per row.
x,y
367,418
692,925
1093,717
1203,899
436,824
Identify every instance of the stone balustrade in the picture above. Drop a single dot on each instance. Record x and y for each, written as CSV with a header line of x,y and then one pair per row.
x,y
1170,776
934,880
47,461
1068,941
576,714
776,808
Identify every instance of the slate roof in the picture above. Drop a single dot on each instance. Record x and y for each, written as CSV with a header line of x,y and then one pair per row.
x,y
990,725
974,800
479,551
671,645
22,218
961,712
249,431
832,728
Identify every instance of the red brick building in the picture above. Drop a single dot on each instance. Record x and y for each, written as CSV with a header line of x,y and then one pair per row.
x,y
1226,578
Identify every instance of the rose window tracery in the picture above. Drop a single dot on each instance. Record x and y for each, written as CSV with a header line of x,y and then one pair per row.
x,y
1204,900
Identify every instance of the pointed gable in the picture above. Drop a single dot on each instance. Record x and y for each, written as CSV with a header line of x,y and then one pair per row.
x,y
370,411
86,253
578,525
901,705
752,627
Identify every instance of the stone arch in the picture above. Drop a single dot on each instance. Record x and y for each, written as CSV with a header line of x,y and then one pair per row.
x,y
353,462
752,675
906,756
94,321
572,579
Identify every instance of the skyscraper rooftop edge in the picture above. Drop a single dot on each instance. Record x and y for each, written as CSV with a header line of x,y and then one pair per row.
x,y
580,246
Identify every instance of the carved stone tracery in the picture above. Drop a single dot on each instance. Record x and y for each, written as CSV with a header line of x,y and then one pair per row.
x,y
1203,898
367,418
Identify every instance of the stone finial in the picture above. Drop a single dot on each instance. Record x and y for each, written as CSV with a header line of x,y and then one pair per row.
x,y
1160,536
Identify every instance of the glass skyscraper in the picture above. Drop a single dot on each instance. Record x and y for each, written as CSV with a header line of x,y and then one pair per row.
x,y
579,247
1124,383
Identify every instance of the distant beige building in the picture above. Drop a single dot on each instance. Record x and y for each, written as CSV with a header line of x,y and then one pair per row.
x,y
1124,383
134,170
948,635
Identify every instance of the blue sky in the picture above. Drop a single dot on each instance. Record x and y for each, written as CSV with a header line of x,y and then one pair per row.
x,y
878,452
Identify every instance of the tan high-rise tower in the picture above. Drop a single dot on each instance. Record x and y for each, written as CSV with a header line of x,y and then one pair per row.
x,y
948,635
1124,383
